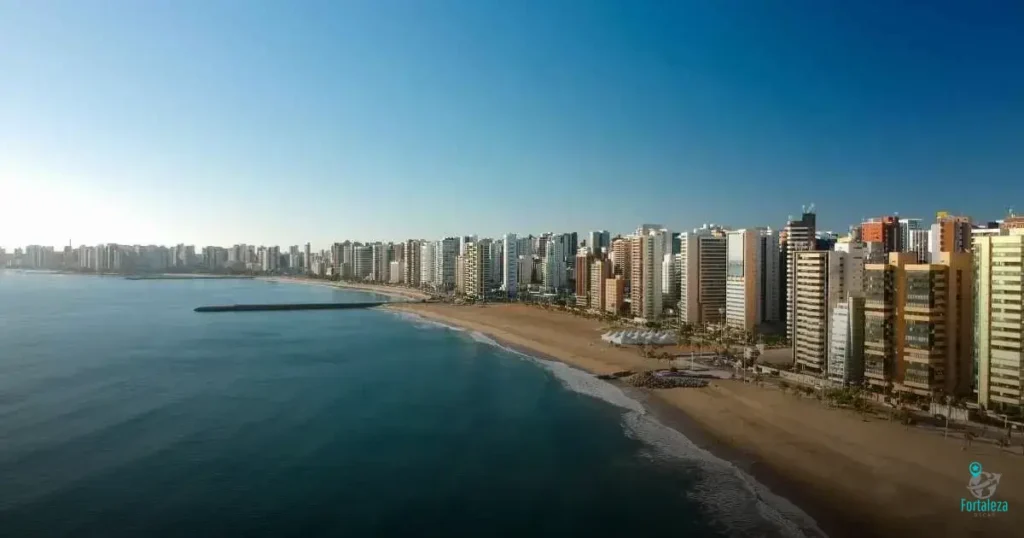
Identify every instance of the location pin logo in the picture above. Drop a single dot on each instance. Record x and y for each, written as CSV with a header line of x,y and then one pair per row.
x,y
975,469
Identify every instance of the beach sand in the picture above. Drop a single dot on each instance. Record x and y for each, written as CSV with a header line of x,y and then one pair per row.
x,y
391,291
856,476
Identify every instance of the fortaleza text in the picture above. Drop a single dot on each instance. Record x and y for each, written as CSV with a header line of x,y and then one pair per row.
x,y
983,506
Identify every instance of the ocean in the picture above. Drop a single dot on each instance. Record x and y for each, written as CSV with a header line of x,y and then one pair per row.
x,y
123,413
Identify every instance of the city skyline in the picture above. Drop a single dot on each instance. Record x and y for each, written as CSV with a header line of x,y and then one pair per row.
x,y
207,124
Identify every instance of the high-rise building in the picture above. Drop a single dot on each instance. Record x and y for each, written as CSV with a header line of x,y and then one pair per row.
x,y
702,270
460,273
446,253
428,267
362,261
949,234
477,268
822,280
797,236
647,255
526,268
396,269
670,280
306,258
846,343
554,274
918,328
510,265
615,295
411,268
882,235
494,250
622,265
600,272
743,272
998,328
599,242
582,271
271,259
771,274
380,268
524,246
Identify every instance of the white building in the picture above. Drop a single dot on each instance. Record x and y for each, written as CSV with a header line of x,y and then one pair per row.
x,y
510,265
846,343
669,279
395,270
271,259
428,267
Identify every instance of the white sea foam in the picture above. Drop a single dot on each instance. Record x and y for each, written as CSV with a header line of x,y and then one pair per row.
x,y
737,500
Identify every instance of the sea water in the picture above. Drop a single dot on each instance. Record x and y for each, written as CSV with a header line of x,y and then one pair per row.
x,y
124,413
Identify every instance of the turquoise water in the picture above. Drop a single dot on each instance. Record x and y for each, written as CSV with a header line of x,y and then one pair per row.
x,y
123,413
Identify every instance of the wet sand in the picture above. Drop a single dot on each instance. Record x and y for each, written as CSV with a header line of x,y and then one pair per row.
x,y
856,476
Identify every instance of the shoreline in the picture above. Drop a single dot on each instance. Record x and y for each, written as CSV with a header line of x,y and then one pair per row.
x,y
664,413
407,294
853,476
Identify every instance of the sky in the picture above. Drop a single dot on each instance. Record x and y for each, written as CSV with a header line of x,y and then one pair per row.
x,y
246,121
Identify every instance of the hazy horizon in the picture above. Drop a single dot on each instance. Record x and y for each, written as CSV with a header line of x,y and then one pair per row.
x,y
216,123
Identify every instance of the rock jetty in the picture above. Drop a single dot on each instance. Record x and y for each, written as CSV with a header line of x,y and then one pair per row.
x,y
650,380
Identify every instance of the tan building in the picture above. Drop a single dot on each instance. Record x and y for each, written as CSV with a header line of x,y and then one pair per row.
x,y
582,272
477,268
600,271
615,295
460,274
999,329
918,324
645,286
743,279
622,263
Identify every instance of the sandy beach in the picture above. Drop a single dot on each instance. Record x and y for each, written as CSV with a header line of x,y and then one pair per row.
x,y
391,291
856,476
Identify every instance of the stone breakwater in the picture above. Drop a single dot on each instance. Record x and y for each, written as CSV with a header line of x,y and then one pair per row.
x,y
651,380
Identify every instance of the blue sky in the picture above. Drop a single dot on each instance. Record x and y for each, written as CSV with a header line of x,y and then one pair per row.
x,y
220,122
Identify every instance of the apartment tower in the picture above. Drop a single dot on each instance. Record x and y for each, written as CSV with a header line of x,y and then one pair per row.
x,y
510,264
798,236
919,324
702,280
582,272
998,328
600,271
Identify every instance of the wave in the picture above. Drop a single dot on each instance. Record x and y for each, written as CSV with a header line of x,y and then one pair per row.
x,y
734,498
